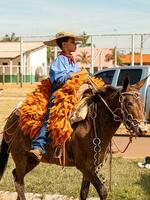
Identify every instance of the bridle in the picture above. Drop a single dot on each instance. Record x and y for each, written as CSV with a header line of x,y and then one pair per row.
x,y
126,118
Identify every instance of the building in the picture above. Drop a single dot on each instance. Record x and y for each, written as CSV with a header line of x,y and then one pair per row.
x,y
34,61
83,58
126,59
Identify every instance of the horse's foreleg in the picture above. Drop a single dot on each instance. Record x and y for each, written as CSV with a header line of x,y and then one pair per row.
x,y
84,188
19,184
31,164
100,188
19,173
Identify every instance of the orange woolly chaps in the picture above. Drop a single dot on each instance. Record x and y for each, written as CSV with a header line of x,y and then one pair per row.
x,y
33,110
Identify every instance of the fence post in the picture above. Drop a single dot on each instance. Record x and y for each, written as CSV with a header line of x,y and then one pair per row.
x,y
21,61
92,55
132,47
17,75
31,74
115,56
3,74
55,52
11,71
141,51
100,60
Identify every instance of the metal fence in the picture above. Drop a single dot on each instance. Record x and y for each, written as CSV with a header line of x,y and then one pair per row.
x,y
96,48
12,74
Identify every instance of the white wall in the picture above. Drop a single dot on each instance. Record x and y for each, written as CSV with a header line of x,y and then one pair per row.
x,y
38,58
4,61
6,68
32,61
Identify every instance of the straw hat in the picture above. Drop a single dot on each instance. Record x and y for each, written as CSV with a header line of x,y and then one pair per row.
x,y
59,35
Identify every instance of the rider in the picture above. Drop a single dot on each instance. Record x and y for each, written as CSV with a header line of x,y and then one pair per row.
x,y
61,69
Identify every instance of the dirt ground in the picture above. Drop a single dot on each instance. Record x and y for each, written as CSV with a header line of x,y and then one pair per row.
x,y
12,94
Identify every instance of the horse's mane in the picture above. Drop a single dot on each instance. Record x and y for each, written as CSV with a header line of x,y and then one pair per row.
x,y
105,92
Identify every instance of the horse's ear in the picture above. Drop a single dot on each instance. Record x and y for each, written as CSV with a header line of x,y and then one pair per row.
x,y
125,84
139,84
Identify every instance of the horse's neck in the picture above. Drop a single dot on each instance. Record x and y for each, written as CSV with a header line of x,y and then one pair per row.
x,y
106,124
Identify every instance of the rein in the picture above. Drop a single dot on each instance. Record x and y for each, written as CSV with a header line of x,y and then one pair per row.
x,y
11,135
127,119
96,141
122,151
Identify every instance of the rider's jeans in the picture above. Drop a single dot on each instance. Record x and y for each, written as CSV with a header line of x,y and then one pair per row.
x,y
42,139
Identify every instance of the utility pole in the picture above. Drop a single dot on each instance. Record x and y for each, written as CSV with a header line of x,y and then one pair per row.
x,y
100,59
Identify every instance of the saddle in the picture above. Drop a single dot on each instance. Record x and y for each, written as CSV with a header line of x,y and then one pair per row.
x,y
82,108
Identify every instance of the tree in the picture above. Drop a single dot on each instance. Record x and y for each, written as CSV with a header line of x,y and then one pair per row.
x,y
83,57
50,54
84,42
10,38
111,56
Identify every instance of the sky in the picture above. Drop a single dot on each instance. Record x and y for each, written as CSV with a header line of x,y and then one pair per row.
x,y
47,17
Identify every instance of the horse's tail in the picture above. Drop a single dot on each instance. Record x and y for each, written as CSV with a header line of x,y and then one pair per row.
x,y
3,157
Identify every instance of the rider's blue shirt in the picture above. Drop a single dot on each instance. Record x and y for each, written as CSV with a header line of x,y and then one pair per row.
x,y
60,71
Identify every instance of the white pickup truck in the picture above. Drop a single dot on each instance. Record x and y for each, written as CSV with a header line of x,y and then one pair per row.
x,y
115,76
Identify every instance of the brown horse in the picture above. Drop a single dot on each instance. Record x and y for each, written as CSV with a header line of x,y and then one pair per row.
x,y
89,143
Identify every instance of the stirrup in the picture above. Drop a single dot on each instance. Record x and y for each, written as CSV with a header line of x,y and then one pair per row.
x,y
58,152
36,154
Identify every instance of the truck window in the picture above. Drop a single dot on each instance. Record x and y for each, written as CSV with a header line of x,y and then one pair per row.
x,y
107,76
133,74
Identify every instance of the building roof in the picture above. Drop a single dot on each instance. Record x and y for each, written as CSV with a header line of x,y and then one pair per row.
x,y
126,59
12,49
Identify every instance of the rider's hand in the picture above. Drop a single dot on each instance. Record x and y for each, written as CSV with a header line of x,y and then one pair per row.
x,y
82,72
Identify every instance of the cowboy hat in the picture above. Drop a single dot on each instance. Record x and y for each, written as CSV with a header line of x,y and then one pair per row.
x,y
59,35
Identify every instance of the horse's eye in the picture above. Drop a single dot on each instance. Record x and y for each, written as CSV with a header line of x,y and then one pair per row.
x,y
129,104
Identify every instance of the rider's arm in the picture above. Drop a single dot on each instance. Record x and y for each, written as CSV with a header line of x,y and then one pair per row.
x,y
61,70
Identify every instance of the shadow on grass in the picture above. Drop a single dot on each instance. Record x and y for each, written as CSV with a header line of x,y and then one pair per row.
x,y
145,182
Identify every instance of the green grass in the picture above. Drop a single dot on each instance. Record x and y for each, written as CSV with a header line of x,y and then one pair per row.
x,y
128,181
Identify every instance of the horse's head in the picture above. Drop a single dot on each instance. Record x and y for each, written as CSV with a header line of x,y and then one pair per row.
x,y
132,107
